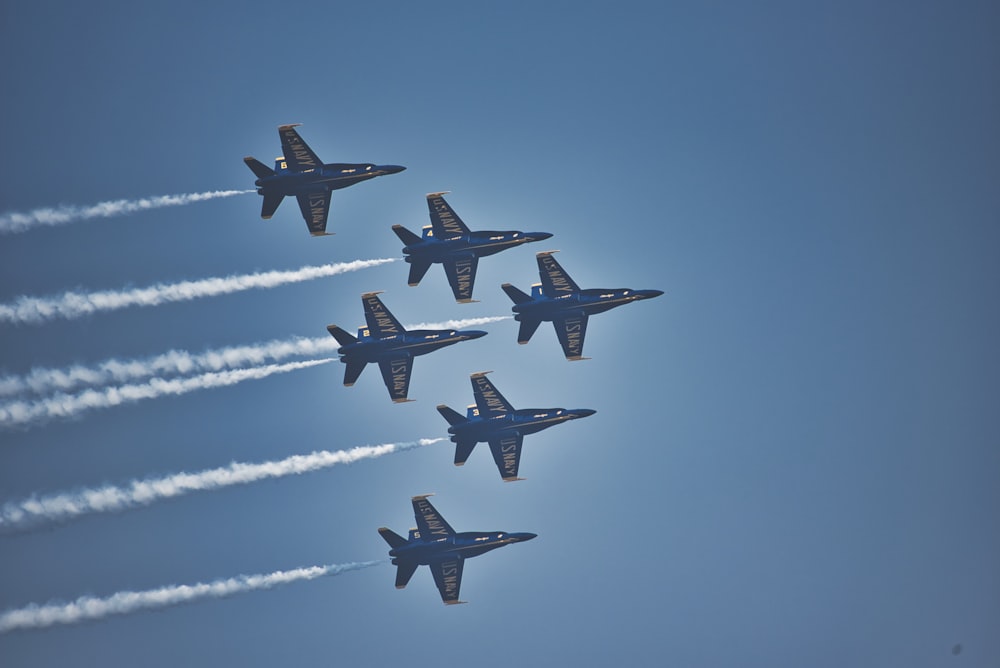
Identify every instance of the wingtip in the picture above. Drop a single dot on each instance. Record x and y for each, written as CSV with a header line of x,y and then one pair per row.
x,y
578,358
421,496
513,479
480,373
402,401
467,301
288,126
433,195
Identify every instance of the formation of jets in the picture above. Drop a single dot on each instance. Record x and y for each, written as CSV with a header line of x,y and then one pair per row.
x,y
384,341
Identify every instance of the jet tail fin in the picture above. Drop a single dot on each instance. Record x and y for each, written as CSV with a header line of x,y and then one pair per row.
x,y
391,537
258,167
407,237
452,416
343,337
516,296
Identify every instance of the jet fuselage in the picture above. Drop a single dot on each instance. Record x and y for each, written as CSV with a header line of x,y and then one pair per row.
x,y
523,421
414,341
481,243
466,544
333,176
587,302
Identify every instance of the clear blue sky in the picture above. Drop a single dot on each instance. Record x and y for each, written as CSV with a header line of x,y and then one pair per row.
x,y
796,455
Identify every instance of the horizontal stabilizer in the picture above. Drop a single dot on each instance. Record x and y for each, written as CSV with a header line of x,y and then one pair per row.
x,y
452,416
270,205
405,571
391,537
408,238
462,452
343,337
418,268
261,170
527,329
516,296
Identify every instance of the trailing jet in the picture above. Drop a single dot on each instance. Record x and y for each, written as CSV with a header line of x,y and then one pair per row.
x,y
433,543
447,240
493,420
301,174
559,300
389,344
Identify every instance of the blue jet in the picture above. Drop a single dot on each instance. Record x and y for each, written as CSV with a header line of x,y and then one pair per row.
x,y
433,543
493,420
559,300
390,345
448,241
301,174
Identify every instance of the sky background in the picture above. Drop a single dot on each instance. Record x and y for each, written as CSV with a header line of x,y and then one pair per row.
x,y
795,457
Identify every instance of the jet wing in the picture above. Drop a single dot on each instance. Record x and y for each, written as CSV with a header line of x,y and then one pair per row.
x,y
555,281
489,401
444,221
571,331
396,374
448,578
315,207
298,156
381,323
507,455
461,273
430,524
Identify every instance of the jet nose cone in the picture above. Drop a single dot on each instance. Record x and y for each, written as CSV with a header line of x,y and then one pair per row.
x,y
538,236
521,537
648,294
582,413
392,169
473,333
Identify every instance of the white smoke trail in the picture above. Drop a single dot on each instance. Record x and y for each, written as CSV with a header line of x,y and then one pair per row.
x,y
86,608
112,498
19,222
64,405
34,310
180,362
460,324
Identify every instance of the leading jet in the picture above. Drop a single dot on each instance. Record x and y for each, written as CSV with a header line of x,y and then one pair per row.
x,y
449,242
559,300
493,420
434,543
390,345
300,173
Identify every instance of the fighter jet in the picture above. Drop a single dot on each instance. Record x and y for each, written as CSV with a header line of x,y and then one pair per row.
x,y
559,300
388,343
433,543
493,420
447,240
301,174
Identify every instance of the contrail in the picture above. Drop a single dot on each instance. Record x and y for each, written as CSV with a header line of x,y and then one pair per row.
x,y
65,405
87,608
19,222
34,310
112,498
180,362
